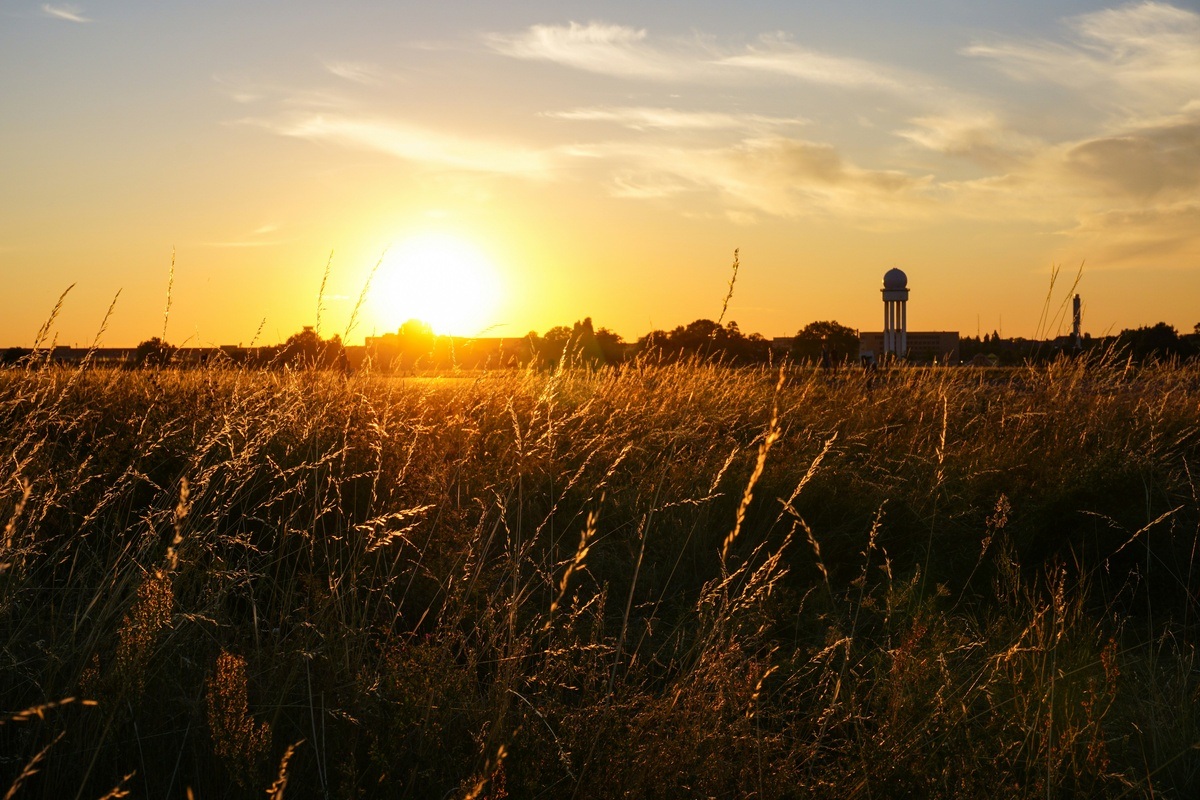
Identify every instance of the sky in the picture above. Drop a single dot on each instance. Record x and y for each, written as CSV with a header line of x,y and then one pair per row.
x,y
514,166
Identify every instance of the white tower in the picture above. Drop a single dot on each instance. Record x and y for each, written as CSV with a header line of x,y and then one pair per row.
x,y
895,313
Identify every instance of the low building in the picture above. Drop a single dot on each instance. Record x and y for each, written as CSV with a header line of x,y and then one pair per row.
x,y
934,347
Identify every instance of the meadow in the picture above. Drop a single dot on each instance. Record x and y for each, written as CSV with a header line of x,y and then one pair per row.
x,y
658,581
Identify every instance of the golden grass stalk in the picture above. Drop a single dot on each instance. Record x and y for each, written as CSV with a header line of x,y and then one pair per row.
x,y
119,790
362,298
39,711
11,526
581,552
31,768
769,438
275,790
490,770
44,331
170,289
321,292
729,294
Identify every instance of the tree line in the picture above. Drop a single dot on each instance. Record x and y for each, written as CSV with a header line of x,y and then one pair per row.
x,y
1159,341
416,347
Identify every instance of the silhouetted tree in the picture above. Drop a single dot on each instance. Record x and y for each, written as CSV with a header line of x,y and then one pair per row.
x,y
307,350
1156,341
701,337
552,344
612,347
841,342
584,345
706,339
581,343
153,353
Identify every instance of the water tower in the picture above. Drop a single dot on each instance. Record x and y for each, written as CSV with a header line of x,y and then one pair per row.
x,y
895,312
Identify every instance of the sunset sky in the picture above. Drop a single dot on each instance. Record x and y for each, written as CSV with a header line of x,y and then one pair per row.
x,y
547,161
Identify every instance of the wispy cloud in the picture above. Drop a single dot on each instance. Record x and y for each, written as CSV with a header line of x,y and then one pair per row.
x,y
783,176
594,47
356,72
640,118
1154,163
416,144
1139,165
251,92
254,238
241,244
1124,191
70,13
625,52
773,175
778,54
335,117
1123,238
980,137
648,185
1142,58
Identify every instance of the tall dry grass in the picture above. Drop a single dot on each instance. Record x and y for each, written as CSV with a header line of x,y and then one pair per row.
x,y
659,581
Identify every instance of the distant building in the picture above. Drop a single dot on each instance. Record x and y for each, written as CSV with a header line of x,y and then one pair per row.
x,y
937,347
932,346
895,313
782,344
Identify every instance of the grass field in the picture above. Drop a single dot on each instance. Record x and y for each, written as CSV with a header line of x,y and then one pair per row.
x,y
659,581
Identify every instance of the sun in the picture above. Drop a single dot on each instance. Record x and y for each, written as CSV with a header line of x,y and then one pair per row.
x,y
440,279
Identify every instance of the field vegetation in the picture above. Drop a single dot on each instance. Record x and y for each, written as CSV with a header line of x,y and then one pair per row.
x,y
663,580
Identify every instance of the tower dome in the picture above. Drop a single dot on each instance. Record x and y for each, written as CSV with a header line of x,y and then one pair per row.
x,y
895,279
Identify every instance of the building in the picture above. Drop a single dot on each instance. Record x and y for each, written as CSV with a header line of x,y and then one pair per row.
x,y
895,340
940,347
895,313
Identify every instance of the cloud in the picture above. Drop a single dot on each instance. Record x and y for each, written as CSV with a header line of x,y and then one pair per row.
x,y
252,239
356,72
978,137
333,117
243,91
772,175
594,47
788,177
640,118
625,52
418,145
647,185
236,244
1142,58
1144,164
70,13
1129,237
1141,61
778,55
1121,186
1094,190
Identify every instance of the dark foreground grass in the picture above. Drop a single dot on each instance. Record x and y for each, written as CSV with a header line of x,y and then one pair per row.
x,y
663,581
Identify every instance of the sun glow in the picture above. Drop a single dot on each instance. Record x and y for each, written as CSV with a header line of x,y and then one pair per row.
x,y
439,279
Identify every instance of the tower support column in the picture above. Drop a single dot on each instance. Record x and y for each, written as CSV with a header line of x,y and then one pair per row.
x,y
895,313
